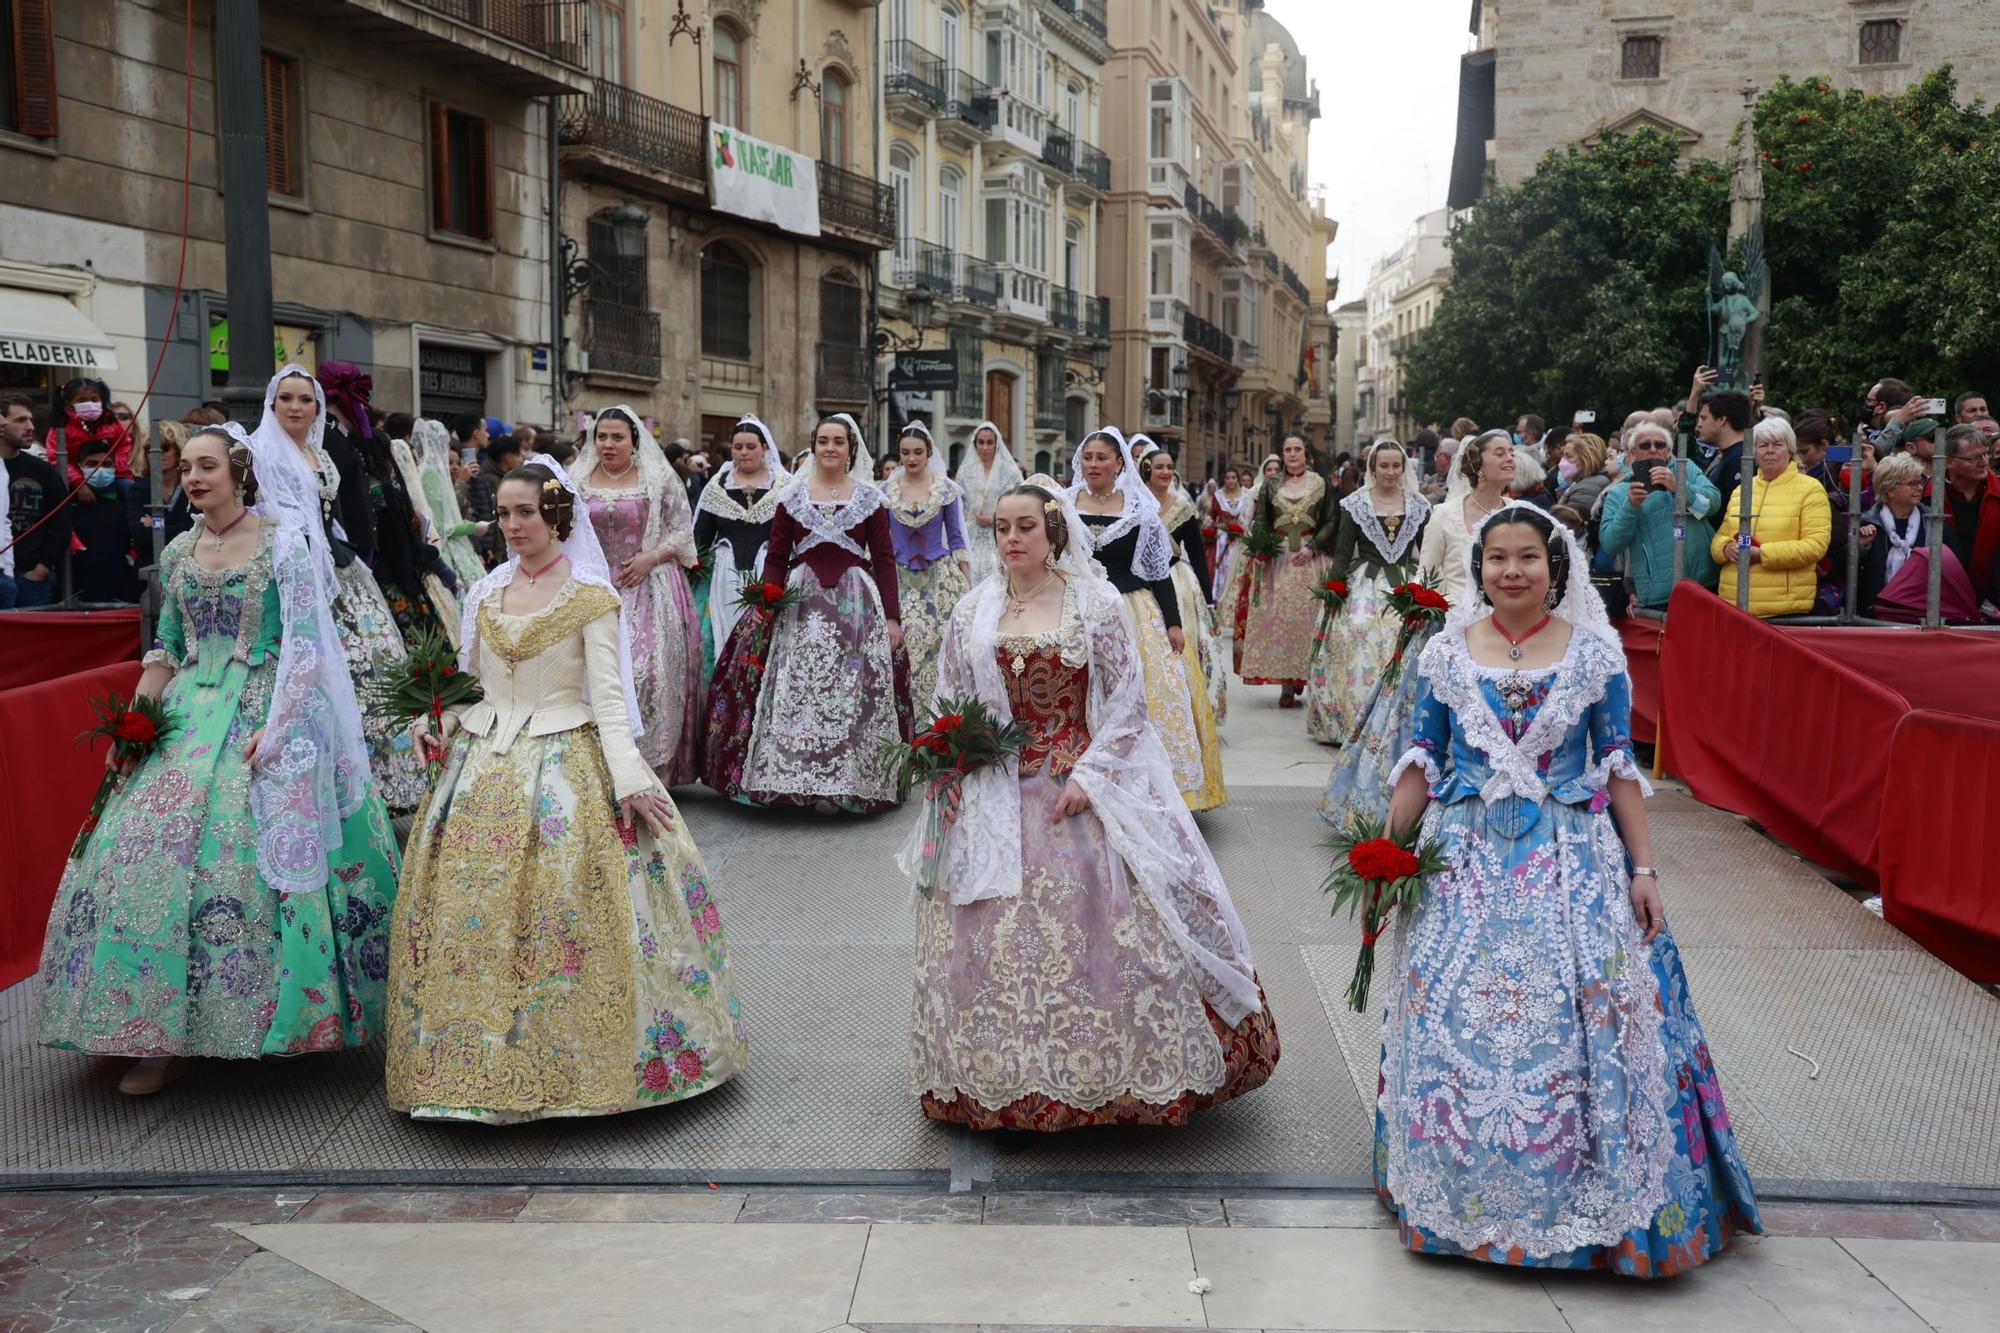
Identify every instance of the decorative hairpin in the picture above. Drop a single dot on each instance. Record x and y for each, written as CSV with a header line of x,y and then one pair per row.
x,y
552,484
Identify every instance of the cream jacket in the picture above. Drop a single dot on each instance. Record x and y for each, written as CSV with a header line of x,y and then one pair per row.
x,y
534,670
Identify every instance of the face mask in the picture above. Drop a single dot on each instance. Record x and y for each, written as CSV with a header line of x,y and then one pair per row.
x,y
1567,469
1517,439
100,478
87,412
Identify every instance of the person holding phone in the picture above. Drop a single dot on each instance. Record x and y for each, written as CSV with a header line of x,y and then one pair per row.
x,y
1638,520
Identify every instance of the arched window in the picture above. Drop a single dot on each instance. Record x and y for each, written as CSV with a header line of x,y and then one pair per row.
x,y
951,208
903,179
833,118
726,308
729,44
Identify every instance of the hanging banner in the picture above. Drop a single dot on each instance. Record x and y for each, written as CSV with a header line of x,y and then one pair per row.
x,y
761,181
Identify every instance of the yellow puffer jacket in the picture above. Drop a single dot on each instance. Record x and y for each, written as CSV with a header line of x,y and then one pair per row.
x,y
1791,522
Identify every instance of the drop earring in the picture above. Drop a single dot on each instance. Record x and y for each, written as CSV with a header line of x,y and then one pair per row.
x,y
1549,602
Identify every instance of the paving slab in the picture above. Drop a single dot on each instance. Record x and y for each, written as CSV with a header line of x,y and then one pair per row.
x,y
1955,1288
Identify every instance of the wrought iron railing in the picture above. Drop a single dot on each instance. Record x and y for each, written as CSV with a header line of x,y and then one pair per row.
x,y
1059,151
915,72
644,129
1204,211
1097,316
933,268
1093,164
979,282
845,373
971,100
1090,13
1206,337
1066,309
554,28
1298,286
850,200
1076,159
622,339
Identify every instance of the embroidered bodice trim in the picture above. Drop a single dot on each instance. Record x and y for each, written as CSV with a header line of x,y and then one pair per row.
x,y
1177,513
716,500
1297,512
824,524
517,638
1361,508
1068,634
943,492
256,573
1454,677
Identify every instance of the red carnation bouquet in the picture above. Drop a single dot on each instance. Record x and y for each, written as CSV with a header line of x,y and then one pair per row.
x,y
756,595
1332,596
427,683
964,738
1234,529
1418,604
136,727
1262,544
1381,876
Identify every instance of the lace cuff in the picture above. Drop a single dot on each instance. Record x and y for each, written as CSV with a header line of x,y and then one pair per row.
x,y
1618,764
1416,754
159,657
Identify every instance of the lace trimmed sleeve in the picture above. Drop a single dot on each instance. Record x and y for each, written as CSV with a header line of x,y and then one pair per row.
x,y
1611,740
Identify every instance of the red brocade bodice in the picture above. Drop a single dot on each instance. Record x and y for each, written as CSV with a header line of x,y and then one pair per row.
x,y
1047,695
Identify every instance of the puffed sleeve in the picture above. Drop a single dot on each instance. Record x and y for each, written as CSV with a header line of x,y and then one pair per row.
x,y
1430,739
954,526
1610,723
629,774
1344,547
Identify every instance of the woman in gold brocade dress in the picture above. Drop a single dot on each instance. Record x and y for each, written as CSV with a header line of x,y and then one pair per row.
x,y
1283,612
1207,674
556,950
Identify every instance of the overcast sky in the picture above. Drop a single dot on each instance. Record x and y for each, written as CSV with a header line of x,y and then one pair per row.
x,y
1388,87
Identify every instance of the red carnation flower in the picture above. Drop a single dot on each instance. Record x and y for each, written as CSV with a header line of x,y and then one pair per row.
x,y
1380,861
137,728
772,592
1235,529
1336,587
948,723
1429,597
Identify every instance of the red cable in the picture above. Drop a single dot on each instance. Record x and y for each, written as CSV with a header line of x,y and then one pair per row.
x,y
180,273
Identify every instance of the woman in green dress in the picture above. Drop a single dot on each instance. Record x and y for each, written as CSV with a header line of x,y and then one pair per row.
x,y
233,901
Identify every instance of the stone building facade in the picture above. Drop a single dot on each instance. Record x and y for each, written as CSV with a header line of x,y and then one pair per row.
x,y
1544,75
1404,288
408,171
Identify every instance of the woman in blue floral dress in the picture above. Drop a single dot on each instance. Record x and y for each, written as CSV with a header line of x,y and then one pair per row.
x,y
233,901
1547,1097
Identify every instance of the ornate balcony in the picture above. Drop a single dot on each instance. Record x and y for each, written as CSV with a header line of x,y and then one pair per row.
x,y
1085,166
970,110
1083,316
629,135
529,48
913,90
1203,336
857,208
621,339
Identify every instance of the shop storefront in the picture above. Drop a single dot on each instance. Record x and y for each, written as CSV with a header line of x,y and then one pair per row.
x,y
451,381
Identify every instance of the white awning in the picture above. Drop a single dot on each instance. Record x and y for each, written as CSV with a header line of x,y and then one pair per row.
x,y
43,329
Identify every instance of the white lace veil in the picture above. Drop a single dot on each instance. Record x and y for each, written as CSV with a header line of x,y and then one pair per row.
x,y
1580,606
1413,482
772,458
431,443
981,487
669,520
1125,771
864,462
311,766
1153,556
586,565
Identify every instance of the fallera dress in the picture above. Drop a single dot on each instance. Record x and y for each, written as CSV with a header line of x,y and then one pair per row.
x,y
929,538
1207,675
164,938
807,723
548,963
732,525
1282,615
665,630
1372,554
1547,1097
1072,1004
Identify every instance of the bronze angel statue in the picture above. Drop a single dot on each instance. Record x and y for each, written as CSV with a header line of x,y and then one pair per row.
x,y
1732,308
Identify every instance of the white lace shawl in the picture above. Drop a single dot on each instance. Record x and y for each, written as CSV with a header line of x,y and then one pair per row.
x,y
943,492
1362,510
983,487
587,564
669,521
821,527
1125,771
1153,555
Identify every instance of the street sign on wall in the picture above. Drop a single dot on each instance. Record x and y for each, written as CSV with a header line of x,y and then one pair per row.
x,y
761,181
925,371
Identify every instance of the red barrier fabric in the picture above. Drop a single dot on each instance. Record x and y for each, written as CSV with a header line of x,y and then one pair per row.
x,y
49,780
1760,723
1642,664
1940,874
46,645
1956,673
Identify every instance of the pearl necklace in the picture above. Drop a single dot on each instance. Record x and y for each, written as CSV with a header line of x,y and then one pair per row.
x,y
609,475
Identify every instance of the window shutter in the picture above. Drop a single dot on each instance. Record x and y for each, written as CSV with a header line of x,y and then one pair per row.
x,y
278,164
480,215
35,61
440,167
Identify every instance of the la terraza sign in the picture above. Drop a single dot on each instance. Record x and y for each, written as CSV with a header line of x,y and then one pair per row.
x,y
762,181
921,372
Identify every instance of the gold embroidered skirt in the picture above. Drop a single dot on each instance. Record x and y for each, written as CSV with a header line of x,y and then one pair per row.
x,y
1169,704
1200,661
543,962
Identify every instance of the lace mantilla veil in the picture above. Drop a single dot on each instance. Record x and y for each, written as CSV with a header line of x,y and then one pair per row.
x,y
984,489
657,480
586,565
1125,771
311,766
1581,606
772,458
1153,556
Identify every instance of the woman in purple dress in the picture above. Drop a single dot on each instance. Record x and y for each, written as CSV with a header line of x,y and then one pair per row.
x,y
640,512
933,566
803,702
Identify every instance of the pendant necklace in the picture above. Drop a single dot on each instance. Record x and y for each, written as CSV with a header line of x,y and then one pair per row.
x,y
1016,605
1513,643
609,475
221,532
532,575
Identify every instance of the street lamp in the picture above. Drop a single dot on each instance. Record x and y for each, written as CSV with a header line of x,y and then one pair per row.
x,y
1100,361
1181,377
628,234
918,307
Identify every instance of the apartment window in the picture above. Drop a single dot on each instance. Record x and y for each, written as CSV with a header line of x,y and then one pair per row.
x,y
1160,126
725,303
1639,58
461,173
618,263
28,67
1882,42
284,114
839,311
902,179
951,208
833,118
951,36
729,76
996,231
1073,109
1073,255
607,40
